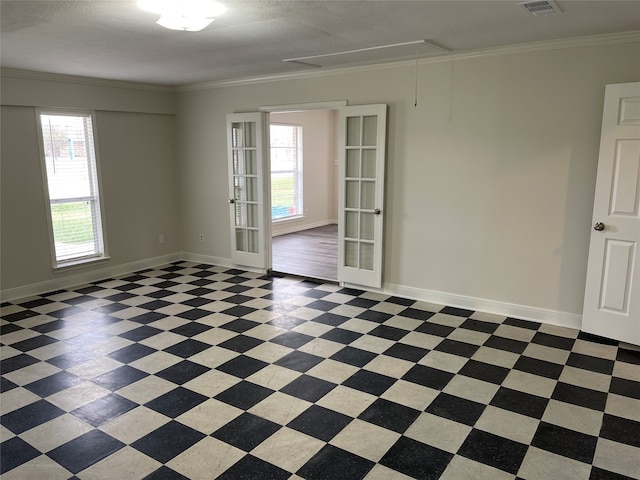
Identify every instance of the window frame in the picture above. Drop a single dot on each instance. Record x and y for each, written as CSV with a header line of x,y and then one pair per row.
x,y
96,197
298,172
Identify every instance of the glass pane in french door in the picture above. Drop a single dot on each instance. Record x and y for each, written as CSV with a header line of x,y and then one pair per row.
x,y
360,192
245,182
361,196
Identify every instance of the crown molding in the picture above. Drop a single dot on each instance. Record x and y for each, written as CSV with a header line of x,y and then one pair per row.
x,y
520,48
574,42
96,82
587,41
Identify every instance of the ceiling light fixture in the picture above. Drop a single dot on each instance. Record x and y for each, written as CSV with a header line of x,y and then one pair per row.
x,y
187,15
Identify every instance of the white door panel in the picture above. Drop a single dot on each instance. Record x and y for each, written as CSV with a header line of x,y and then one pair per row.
x,y
612,295
362,147
626,169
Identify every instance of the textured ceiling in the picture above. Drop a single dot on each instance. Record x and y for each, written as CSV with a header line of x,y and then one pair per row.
x,y
114,39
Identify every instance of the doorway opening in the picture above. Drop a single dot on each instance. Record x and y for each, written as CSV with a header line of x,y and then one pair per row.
x,y
304,193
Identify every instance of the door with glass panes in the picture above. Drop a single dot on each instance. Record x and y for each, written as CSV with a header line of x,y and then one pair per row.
x,y
362,151
248,147
361,194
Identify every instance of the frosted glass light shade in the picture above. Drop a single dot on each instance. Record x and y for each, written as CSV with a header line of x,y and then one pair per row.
x,y
189,15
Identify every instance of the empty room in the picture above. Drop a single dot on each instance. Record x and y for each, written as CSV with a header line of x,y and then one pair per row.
x,y
473,166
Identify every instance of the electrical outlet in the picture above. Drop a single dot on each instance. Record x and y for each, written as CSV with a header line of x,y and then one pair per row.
x,y
161,239
202,237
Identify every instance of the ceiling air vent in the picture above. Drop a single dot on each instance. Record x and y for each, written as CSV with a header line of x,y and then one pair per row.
x,y
541,7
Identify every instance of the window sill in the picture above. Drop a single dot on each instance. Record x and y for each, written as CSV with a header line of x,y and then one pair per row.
x,y
288,219
78,263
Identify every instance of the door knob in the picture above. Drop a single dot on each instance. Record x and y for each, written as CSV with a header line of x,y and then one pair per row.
x,y
599,226
231,200
377,211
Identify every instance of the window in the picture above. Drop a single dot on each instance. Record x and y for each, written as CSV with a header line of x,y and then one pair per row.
x,y
286,171
71,186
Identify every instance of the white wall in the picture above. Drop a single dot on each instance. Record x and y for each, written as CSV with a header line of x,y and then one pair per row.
x,y
136,133
26,88
320,189
490,178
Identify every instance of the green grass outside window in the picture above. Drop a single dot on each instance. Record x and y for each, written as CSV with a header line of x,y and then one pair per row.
x,y
72,222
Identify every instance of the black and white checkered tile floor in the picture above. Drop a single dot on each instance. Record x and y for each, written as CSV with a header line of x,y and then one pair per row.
x,y
201,372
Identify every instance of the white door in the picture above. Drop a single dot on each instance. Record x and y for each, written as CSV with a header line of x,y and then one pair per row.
x,y
612,296
248,150
361,194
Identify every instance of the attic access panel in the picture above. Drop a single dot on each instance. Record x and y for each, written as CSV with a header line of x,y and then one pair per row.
x,y
372,55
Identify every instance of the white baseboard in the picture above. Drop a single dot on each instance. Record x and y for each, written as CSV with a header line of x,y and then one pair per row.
x,y
552,317
524,312
208,259
219,261
94,275
300,228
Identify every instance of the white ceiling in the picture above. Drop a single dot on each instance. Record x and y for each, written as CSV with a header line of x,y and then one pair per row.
x,y
114,39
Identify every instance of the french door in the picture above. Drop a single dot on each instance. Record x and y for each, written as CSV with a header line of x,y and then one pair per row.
x,y
248,149
362,147
362,153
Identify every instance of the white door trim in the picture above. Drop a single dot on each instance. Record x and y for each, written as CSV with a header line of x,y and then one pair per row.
x,y
294,107
291,107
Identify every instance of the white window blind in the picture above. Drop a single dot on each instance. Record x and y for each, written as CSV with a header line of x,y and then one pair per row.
x,y
72,185
286,171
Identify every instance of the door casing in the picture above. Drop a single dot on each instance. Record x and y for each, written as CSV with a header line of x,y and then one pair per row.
x,y
267,241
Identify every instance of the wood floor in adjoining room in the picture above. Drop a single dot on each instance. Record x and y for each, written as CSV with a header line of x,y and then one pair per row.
x,y
308,253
